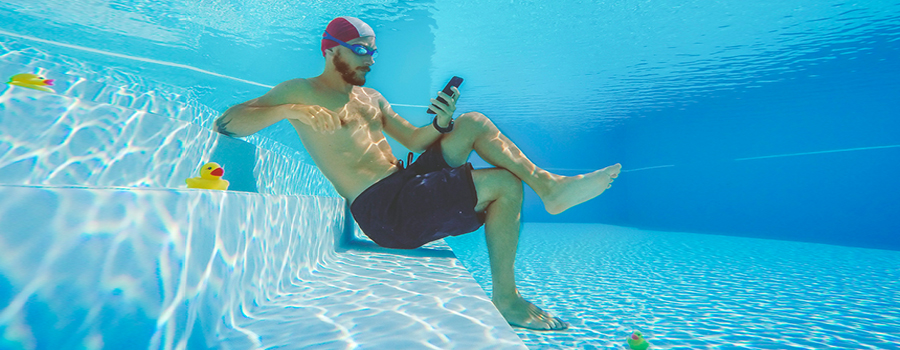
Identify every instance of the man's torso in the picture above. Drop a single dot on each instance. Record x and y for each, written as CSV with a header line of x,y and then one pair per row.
x,y
357,154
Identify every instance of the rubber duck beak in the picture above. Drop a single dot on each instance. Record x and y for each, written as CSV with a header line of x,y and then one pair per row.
x,y
218,172
48,81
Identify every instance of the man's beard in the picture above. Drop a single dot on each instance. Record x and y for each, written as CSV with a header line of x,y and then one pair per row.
x,y
349,75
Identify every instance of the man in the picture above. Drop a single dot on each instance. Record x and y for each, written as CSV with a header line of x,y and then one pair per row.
x,y
342,126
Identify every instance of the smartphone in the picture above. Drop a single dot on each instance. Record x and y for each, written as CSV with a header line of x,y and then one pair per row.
x,y
455,81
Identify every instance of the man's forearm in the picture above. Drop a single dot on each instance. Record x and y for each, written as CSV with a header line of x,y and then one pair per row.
x,y
242,120
424,137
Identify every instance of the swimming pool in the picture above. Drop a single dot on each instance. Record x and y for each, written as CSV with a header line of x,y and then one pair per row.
x,y
761,125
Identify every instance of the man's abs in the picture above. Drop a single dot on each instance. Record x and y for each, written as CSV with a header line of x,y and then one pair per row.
x,y
353,158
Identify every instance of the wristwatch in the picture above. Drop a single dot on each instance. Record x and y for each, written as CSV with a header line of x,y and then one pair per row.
x,y
449,128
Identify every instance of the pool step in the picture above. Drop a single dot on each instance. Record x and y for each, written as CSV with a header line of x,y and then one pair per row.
x,y
51,139
169,268
104,85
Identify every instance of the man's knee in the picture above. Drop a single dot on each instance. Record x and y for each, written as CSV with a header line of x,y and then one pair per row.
x,y
473,120
510,184
496,184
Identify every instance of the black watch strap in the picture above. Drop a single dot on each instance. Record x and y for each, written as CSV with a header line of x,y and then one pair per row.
x,y
449,128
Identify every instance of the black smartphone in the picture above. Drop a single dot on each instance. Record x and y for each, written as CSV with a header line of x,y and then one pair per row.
x,y
455,81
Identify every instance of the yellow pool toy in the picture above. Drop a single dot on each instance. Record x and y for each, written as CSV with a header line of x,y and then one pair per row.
x,y
210,178
31,81
637,342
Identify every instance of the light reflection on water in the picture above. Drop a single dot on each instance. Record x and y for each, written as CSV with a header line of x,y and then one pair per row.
x,y
96,84
696,291
102,247
161,259
160,268
55,139
595,63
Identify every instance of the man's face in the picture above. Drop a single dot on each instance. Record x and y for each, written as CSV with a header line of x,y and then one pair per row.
x,y
352,67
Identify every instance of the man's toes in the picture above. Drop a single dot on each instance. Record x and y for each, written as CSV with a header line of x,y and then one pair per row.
x,y
553,324
549,322
533,324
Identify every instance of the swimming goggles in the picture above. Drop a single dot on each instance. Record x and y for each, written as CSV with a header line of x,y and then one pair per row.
x,y
358,49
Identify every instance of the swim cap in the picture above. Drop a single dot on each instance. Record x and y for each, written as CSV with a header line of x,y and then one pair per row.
x,y
345,29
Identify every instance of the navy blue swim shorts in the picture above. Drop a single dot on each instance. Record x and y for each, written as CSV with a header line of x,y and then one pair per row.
x,y
426,201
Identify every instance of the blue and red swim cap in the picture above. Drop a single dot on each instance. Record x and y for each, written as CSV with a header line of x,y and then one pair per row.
x,y
345,28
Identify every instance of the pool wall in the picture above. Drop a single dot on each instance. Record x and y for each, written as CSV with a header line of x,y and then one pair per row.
x,y
808,155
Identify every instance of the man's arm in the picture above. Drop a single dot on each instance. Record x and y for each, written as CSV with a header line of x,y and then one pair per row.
x,y
249,117
413,138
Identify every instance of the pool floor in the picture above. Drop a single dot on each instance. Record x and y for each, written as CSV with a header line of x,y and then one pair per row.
x,y
376,300
697,291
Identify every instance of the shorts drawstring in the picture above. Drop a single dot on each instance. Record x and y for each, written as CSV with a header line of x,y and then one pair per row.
x,y
409,159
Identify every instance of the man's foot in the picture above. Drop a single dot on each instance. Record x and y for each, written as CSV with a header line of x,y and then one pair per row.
x,y
569,191
519,312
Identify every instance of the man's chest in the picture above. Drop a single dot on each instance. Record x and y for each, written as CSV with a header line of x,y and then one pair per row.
x,y
354,112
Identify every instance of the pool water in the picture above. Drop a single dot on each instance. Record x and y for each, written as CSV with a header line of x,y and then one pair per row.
x,y
756,207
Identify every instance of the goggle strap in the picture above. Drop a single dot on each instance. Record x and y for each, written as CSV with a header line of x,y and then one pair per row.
x,y
356,48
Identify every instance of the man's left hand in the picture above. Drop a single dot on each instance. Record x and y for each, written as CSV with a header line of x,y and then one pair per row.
x,y
445,111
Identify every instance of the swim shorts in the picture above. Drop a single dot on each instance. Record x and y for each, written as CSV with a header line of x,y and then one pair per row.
x,y
426,201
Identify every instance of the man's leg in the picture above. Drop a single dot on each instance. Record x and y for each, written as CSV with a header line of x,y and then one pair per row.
x,y
474,131
500,195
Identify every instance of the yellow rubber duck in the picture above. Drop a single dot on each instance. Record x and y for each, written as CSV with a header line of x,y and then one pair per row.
x,y
210,178
637,342
31,81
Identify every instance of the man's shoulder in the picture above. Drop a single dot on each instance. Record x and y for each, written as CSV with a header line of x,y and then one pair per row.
x,y
292,91
370,91
295,85
374,96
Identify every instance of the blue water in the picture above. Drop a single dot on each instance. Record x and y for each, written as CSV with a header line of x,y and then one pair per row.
x,y
756,120
724,112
